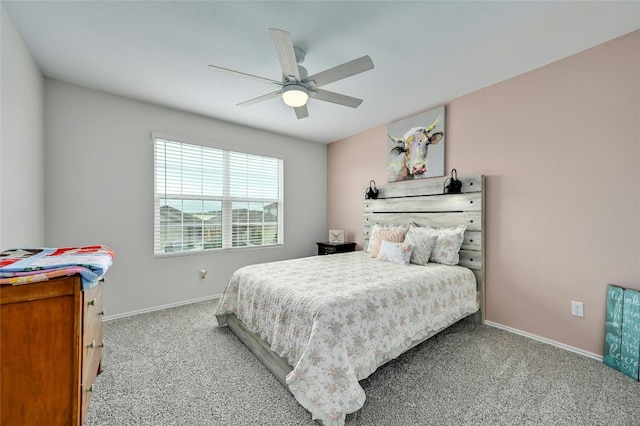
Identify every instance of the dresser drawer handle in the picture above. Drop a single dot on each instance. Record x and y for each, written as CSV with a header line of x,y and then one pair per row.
x,y
101,312
90,389
92,302
93,345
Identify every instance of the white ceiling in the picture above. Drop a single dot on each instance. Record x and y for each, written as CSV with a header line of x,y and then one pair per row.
x,y
426,53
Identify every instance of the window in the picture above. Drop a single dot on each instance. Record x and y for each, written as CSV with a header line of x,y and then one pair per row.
x,y
209,199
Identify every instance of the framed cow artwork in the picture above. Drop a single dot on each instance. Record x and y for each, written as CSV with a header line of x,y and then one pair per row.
x,y
416,146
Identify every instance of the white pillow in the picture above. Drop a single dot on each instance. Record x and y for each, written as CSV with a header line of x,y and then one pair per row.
x,y
395,252
447,245
422,240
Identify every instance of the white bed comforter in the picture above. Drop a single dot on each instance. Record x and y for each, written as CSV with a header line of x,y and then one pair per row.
x,y
337,318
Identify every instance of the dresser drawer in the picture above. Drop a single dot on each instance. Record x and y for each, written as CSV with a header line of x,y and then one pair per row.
x,y
92,306
92,355
92,343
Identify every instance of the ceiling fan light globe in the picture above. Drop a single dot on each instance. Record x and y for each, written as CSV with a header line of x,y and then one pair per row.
x,y
295,95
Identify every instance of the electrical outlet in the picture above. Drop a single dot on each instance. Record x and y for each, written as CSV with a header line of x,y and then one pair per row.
x,y
203,274
577,309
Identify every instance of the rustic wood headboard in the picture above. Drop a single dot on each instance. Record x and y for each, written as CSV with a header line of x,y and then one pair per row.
x,y
423,202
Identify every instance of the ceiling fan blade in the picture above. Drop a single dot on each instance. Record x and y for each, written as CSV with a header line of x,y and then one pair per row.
x,y
302,112
337,98
341,71
286,54
261,98
244,75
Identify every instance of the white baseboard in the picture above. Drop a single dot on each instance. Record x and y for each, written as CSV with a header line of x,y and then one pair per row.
x,y
543,340
159,308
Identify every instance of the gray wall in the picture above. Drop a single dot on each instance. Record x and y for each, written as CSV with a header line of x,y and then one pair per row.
x,y
99,190
21,143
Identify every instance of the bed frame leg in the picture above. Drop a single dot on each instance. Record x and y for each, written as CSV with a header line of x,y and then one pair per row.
x,y
222,320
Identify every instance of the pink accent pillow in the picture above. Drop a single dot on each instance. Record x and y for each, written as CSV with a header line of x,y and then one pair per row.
x,y
379,234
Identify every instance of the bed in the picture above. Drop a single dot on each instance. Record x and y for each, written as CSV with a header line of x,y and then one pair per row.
x,y
320,324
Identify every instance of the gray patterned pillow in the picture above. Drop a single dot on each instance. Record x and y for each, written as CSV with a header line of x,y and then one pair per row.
x,y
448,245
422,240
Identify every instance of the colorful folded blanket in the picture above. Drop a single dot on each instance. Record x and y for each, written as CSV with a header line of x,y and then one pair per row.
x,y
28,265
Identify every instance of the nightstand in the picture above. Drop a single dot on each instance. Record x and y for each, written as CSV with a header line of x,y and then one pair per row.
x,y
333,248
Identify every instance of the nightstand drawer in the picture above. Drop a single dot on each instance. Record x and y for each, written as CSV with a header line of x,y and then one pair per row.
x,y
333,248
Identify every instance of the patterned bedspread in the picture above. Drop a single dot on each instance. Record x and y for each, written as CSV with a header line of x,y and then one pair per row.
x,y
337,318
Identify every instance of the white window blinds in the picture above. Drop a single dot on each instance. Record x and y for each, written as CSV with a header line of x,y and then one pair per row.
x,y
208,198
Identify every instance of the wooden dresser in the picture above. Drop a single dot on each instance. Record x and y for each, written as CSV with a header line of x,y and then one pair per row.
x,y
50,351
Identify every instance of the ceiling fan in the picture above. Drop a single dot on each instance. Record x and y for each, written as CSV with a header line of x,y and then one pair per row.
x,y
296,86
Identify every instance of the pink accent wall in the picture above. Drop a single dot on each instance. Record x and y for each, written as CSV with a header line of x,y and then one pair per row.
x,y
560,149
